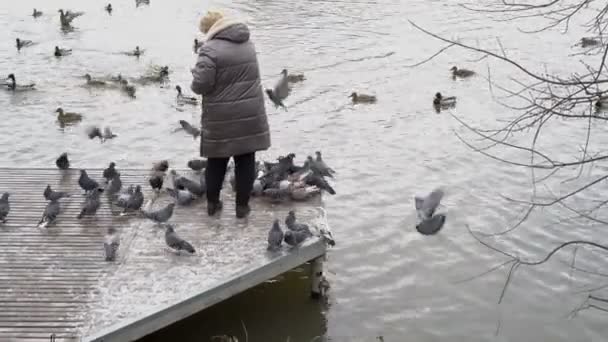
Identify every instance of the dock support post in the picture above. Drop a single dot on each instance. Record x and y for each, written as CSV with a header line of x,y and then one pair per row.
x,y
316,276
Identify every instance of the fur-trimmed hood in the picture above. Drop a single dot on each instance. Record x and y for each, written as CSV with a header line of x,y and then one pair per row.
x,y
229,29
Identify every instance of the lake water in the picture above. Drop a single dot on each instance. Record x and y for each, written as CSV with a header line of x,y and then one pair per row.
x,y
386,278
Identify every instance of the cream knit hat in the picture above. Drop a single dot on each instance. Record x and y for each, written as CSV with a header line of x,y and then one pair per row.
x,y
208,20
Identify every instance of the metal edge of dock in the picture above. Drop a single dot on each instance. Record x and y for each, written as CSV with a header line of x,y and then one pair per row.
x,y
163,317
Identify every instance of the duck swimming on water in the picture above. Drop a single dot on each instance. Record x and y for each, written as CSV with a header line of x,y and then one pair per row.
x,y
182,99
21,43
462,73
362,98
136,53
93,83
62,52
127,88
441,101
36,13
18,87
67,118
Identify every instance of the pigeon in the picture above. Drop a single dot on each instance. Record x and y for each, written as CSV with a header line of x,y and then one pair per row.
x,y
431,225
111,243
94,132
279,92
193,131
197,164
110,172
162,215
317,180
108,8
91,204
318,168
320,164
135,201
197,189
182,195
425,208
62,162
275,236
86,183
123,198
156,180
277,195
21,43
67,17
161,166
51,195
175,242
5,207
183,99
290,222
50,214
294,238
114,186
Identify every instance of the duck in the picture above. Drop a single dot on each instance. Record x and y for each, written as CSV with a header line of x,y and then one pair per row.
x,y
127,88
462,73
21,43
589,41
67,17
136,53
62,52
36,13
18,87
67,118
293,78
108,8
185,99
197,45
441,101
362,98
94,83
141,2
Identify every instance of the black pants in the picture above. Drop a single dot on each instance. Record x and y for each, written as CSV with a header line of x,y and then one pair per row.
x,y
244,169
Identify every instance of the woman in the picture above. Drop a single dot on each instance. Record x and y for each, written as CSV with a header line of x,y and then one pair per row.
x,y
234,122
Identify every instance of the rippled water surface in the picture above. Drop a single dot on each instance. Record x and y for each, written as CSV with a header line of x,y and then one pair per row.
x,y
386,278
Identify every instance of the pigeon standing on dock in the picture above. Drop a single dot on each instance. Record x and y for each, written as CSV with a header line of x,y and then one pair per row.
x,y
275,236
114,186
290,222
295,238
197,164
91,204
134,201
50,214
110,244
5,207
425,207
182,195
175,242
51,195
86,183
63,163
197,189
110,172
160,216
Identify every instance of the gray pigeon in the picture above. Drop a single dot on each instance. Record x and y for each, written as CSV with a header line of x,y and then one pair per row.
x,y
193,131
114,186
290,222
156,180
275,236
295,238
5,207
135,201
277,195
123,197
318,168
50,214
86,183
162,215
320,163
197,189
91,204
182,195
197,164
109,172
94,132
63,163
175,242
426,206
161,166
431,225
111,243
315,179
279,92
51,195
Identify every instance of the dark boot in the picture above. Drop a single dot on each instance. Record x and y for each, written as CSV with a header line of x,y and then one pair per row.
x,y
214,207
242,211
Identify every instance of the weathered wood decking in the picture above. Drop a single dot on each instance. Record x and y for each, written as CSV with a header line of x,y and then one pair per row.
x,y
55,280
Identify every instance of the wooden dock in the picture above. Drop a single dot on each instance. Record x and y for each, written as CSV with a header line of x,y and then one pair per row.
x,y
55,280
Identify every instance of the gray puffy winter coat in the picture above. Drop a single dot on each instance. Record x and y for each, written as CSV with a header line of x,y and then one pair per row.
x,y
227,74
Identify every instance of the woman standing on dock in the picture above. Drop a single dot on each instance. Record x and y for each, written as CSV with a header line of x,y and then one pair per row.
x,y
234,122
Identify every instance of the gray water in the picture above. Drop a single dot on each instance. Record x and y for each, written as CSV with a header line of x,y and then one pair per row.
x,y
386,278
